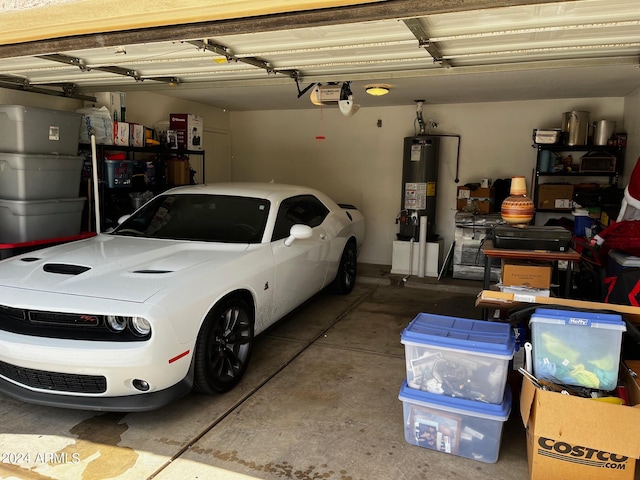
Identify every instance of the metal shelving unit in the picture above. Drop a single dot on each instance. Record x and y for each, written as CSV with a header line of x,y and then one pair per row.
x,y
594,161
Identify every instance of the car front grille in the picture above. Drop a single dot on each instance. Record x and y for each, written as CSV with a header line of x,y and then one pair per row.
x,y
60,382
71,326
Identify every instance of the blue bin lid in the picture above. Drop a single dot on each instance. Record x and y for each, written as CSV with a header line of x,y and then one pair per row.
x,y
463,406
609,321
478,336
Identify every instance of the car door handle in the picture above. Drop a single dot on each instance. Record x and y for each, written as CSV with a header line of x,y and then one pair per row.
x,y
323,236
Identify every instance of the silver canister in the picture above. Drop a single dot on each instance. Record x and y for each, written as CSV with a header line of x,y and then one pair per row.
x,y
575,127
603,130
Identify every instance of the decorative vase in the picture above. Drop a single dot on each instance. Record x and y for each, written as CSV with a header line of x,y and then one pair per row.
x,y
517,209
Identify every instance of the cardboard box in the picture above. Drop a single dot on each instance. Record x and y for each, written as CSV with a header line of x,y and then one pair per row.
x,y
113,101
137,135
633,388
480,200
576,438
522,273
178,171
555,196
121,133
189,130
507,301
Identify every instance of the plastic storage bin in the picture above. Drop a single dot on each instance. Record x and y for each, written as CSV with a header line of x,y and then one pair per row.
x,y
618,261
454,425
577,348
39,130
25,221
37,177
119,173
458,357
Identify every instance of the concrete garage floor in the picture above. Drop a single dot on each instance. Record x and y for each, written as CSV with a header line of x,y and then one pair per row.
x,y
319,401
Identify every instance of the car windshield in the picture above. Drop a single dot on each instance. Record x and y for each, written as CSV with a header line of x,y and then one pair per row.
x,y
208,218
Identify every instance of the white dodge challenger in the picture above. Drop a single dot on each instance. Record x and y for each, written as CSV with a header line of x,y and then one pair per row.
x,y
171,300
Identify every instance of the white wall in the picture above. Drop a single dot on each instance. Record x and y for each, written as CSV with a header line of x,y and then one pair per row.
x,y
360,163
17,97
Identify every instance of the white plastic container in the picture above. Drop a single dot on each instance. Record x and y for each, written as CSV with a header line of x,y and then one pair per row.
x,y
577,348
458,357
39,130
453,425
37,177
26,221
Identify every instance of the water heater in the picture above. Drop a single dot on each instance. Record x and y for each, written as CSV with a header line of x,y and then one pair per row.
x,y
419,179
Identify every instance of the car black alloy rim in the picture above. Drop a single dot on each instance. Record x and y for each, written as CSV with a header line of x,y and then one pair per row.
x,y
232,344
349,266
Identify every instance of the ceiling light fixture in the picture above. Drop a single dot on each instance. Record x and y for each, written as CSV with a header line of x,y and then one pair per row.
x,y
377,90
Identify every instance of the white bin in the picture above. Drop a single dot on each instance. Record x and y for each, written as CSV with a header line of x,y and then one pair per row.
x,y
38,130
37,177
26,221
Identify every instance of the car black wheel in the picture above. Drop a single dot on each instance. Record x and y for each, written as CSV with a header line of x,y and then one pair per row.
x,y
346,276
223,347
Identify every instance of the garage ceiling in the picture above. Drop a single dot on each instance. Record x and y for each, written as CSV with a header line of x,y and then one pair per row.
x,y
444,52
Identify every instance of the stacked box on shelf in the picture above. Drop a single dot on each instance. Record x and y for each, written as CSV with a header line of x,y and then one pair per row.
x,y
456,372
39,174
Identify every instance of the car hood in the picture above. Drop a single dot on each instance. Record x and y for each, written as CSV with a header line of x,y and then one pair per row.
x,y
119,268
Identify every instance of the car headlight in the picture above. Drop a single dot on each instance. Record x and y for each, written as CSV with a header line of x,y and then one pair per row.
x,y
117,324
140,326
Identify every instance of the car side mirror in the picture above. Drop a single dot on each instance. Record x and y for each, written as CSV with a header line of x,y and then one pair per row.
x,y
298,232
123,218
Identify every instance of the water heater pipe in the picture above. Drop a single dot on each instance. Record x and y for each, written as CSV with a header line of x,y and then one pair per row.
x,y
422,246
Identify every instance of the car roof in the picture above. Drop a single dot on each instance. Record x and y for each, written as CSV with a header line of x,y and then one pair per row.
x,y
271,191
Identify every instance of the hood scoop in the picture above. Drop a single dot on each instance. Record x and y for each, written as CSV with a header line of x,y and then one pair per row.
x,y
64,269
152,272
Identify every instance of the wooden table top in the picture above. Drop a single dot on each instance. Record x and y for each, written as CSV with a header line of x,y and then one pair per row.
x,y
489,249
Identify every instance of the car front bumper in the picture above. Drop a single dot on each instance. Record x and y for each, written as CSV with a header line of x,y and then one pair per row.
x,y
127,403
98,375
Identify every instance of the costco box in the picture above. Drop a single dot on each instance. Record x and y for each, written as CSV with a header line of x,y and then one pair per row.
x,y
577,348
458,357
522,273
38,130
26,221
189,130
454,425
574,438
480,200
555,196
36,177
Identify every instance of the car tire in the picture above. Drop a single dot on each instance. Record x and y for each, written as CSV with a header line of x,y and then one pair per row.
x,y
347,270
223,347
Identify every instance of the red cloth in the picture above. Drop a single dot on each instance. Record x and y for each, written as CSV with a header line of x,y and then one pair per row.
x,y
623,236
